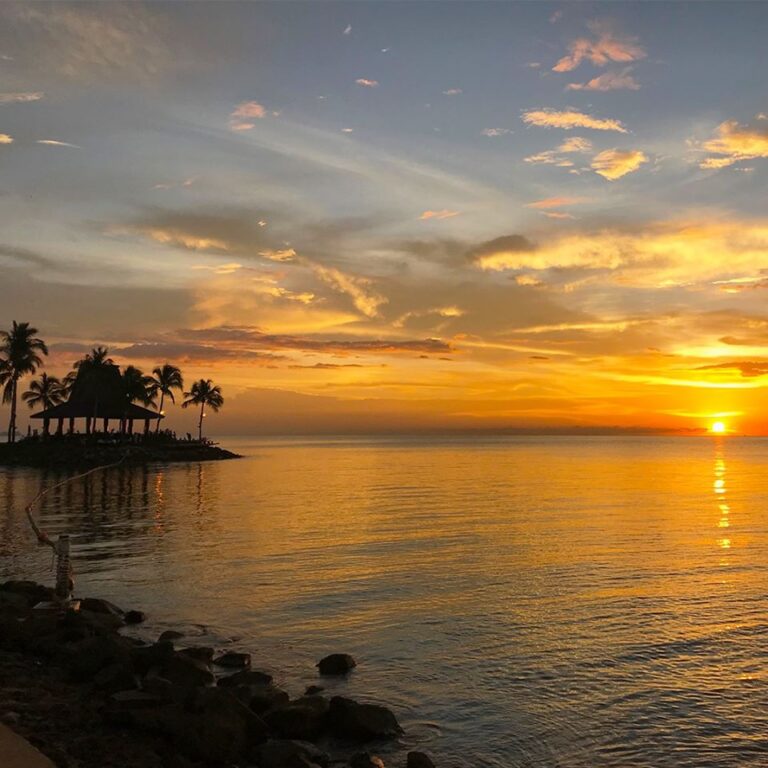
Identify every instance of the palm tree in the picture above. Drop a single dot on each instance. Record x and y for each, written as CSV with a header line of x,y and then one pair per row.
x,y
138,386
166,378
44,392
20,351
203,393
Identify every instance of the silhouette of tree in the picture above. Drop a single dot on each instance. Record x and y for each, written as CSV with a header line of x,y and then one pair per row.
x,y
20,351
166,378
203,393
44,393
138,387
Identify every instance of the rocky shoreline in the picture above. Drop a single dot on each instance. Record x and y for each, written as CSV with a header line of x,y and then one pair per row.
x,y
88,696
83,453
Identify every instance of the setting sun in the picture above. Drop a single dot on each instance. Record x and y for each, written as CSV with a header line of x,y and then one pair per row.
x,y
718,428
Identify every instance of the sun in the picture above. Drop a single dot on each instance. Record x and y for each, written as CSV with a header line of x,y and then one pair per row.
x,y
718,428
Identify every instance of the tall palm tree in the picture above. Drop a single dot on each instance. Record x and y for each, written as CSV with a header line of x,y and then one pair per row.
x,y
203,393
20,350
166,378
44,392
138,387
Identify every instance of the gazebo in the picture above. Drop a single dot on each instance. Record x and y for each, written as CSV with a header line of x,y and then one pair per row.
x,y
97,393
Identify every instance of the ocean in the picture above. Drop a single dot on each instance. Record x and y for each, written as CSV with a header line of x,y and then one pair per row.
x,y
563,602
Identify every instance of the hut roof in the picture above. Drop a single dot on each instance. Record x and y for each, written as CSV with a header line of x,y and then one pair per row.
x,y
97,392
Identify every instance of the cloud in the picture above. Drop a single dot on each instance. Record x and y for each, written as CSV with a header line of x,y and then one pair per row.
x,y
568,119
494,132
347,130
735,142
347,30
241,119
282,254
358,289
558,215
6,139
54,143
556,202
20,98
612,164
443,214
220,269
501,250
747,368
367,83
609,81
452,92
575,144
606,47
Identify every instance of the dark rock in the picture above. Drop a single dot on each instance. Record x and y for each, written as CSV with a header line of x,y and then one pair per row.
x,y
34,593
419,760
336,664
365,760
88,657
313,690
198,652
303,719
115,677
232,660
15,603
187,672
246,677
169,634
135,617
285,753
161,688
261,698
148,657
361,722
102,621
96,605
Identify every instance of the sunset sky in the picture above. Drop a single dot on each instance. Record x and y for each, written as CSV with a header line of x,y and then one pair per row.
x,y
365,216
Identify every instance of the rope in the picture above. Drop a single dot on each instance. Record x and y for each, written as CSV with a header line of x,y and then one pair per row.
x,y
64,581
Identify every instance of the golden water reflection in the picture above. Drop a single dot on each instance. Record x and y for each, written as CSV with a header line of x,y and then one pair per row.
x,y
720,490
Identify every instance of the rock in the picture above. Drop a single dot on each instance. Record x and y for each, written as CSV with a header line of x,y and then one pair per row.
x,y
15,603
303,719
161,688
365,760
135,617
261,698
187,672
336,664
32,592
285,753
361,722
169,634
96,605
148,657
198,652
245,677
115,677
313,690
102,621
88,657
232,660
419,760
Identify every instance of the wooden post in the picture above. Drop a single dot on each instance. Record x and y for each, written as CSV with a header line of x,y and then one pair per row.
x,y
146,427
63,570
106,426
72,425
60,428
130,426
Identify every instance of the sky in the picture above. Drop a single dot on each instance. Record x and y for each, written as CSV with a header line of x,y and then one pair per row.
x,y
390,216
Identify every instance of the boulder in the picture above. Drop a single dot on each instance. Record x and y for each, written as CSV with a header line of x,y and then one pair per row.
x,y
245,677
135,617
88,657
187,672
336,664
304,719
97,605
169,634
31,591
353,721
261,698
15,603
313,690
151,657
365,760
200,652
115,677
233,660
285,753
419,760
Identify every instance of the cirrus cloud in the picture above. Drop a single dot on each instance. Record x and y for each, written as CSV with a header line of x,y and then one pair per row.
x,y
612,164
735,142
609,81
241,119
569,119
606,47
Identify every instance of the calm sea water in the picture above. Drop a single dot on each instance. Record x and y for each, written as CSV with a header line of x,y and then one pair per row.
x,y
560,602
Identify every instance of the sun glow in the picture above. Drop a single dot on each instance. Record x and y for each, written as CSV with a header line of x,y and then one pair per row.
x,y
718,428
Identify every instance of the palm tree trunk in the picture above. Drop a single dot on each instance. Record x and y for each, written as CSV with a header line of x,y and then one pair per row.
x,y
12,422
162,398
200,422
46,426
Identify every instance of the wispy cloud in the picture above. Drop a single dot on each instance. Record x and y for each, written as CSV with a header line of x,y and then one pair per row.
x,y
241,119
733,143
347,30
557,202
365,299
220,269
608,81
20,98
606,47
575,144
6,139
443,214
612,164
453,92
54,143
495,132
569,119
367,83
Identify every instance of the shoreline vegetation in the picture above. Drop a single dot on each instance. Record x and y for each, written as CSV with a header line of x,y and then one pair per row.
x,y
88,695
98,393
